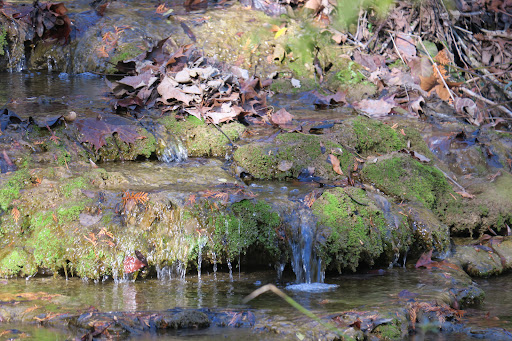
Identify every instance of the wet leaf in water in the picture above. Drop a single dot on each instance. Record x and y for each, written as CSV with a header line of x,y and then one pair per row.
x,y
281,118
132,264
425,259
94,132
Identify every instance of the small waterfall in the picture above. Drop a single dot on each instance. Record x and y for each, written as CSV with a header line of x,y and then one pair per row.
x,y
230,270
214,256
200,245
306,265
166,272
171,149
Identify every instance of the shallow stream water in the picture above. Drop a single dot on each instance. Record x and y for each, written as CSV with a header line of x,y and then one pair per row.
x,y
47,95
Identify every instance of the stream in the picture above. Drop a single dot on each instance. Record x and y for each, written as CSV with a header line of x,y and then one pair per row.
x,y
45,95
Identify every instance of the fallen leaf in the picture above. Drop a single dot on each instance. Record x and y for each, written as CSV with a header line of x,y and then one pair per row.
x,y
333,160
168,90
285,165
280,32
132,264
281,117
425,259
376,108
405,44
465,194
88,219
94,131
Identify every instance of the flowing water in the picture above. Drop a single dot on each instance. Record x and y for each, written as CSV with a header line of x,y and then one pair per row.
x,y
47,95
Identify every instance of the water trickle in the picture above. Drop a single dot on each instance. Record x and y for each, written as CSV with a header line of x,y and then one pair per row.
x,y
201,243
166,272
230,270
306,265
170,148
214,256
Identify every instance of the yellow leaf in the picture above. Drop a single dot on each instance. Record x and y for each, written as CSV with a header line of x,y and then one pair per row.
x,y
280,32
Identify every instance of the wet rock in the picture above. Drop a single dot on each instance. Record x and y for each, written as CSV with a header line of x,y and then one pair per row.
x,y
262,159
186,319
479,260
490,207
353,230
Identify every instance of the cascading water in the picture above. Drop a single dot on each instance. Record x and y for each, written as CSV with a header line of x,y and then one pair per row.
x,y
306,265
170,148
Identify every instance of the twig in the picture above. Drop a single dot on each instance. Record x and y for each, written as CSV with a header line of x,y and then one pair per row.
x,y
396,48
439,72
451,179
488,101
501,34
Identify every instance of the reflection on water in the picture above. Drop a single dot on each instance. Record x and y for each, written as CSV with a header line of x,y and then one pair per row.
x,y
42,94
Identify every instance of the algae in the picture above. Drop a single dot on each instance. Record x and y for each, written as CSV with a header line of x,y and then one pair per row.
x,y
354,229
407,179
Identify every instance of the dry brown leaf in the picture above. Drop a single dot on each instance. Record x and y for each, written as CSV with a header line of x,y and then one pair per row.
x,y
168,90
420,67
281,117
333,160
465,195
405,44
428,83
376,108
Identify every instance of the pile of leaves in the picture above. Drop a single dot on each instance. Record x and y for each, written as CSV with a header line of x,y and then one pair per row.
x,y
46,21
182,80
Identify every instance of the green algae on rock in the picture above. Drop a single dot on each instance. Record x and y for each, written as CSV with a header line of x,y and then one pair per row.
x,y
491,207
263,160
354,230
201,139
369,137
407,179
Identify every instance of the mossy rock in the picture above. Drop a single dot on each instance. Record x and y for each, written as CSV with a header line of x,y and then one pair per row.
x,y
478,261
353,230
491,207
429,232
294,151
401,176
116,149
247,226
16,261
369,137
201,139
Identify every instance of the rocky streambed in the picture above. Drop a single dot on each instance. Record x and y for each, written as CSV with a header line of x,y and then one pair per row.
x,y
160,210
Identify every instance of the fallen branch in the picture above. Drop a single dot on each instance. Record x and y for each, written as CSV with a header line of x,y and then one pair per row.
x,y
488,101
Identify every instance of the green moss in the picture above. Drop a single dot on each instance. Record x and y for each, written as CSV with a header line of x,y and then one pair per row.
x,y
16,262
48,247
11,190
123,52
353,232
3,40
117,149
249,224
375,137
302,151
389,332
70,187
351,74
66,214
203,139
407,179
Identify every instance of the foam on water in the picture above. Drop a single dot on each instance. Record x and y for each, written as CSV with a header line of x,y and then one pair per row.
x,y
311,287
